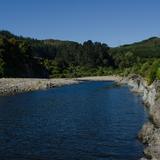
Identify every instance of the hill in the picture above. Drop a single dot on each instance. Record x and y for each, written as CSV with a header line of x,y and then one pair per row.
x,y
28,57
149,48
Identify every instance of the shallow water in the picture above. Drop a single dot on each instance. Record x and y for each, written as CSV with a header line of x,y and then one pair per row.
x,y
88,121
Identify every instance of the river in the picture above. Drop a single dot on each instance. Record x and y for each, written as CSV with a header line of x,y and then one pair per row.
x,y
86,121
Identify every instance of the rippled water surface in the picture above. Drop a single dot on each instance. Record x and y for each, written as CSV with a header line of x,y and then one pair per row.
x,y
88,121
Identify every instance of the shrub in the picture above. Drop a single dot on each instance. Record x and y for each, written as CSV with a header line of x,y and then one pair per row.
x,y
1,67
158,73
153,71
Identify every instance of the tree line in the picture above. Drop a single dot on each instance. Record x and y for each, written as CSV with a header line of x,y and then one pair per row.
x,y
27,57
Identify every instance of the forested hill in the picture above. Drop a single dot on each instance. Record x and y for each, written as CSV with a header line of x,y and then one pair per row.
x,y
21,57
27,57
148,48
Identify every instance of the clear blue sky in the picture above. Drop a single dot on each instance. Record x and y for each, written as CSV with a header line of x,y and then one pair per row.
x,y
114,22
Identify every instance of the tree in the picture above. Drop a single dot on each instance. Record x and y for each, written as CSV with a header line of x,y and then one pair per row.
x,y
1,67
158,73
152,72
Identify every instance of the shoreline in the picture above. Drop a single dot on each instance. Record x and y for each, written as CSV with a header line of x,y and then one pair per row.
x,y
12,86
149,135
101,78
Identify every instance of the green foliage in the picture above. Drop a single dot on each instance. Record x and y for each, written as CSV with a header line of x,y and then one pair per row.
x,y
149,48
158,73
26,57
53,68
16,59
1,67
152,71
144,68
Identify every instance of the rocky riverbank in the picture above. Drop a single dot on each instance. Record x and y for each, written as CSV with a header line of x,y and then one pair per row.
x,y
150,132
10,86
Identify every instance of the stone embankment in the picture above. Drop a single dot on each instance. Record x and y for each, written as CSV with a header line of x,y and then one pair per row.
x,y
150,132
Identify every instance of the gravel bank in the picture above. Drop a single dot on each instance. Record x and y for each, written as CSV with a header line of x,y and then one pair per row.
x,y
10,86
101,78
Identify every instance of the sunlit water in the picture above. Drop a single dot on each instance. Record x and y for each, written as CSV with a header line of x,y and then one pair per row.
x,y
88,121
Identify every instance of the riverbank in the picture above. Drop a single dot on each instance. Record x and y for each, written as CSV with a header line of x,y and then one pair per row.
x,y
150,132
11,86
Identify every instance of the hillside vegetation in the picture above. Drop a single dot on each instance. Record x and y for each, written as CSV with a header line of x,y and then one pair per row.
x,y
27,57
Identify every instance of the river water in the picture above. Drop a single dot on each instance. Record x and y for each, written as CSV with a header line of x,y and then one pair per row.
x,y
87,121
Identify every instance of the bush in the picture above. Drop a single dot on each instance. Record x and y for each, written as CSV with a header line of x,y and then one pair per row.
x,y
158,73
144,68
153,71
1,67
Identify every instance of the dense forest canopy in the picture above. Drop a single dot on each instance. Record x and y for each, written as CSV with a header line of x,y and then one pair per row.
x,y
27,57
